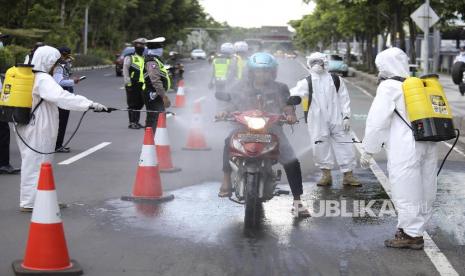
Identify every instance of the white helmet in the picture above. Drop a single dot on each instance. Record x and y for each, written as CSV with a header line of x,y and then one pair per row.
x,y
227,48
317,57
241,47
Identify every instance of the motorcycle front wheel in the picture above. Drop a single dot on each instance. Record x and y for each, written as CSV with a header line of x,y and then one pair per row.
x,y
253,205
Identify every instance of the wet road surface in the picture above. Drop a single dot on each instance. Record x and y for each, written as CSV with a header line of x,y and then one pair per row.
x,y
199,234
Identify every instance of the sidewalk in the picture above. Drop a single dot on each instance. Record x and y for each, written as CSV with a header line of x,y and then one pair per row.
x,y
456,100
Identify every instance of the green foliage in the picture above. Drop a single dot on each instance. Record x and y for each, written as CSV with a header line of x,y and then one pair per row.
x,y
111,22
7,59
19,53
89,60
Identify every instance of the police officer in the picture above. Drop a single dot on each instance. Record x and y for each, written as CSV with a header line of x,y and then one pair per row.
x,y
224,69
5,166
134,81
241,48
62,75
157,81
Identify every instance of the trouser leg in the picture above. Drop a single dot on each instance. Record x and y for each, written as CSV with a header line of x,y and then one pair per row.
x,y
153,103
344,152
226,165
4,144
135,102
63,116
290,163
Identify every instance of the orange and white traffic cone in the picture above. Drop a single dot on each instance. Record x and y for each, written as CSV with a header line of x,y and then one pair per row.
x,y
162,143
196,138
147,186
180,100
46,249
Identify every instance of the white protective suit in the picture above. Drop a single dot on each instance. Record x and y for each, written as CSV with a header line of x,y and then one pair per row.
x,y
412,165
325,120
41,132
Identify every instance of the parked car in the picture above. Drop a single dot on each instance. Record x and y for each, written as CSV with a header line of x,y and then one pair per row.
x,y
120,59
337,65
198,54
290,55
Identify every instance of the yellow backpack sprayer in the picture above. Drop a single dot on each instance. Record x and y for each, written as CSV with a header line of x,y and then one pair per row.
x,y
16,94
428,110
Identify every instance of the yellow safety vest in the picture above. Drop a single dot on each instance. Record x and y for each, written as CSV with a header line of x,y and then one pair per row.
x,y
240,67
221,67
136,70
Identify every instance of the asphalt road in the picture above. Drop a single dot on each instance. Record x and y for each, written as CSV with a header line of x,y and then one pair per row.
x,y
200,234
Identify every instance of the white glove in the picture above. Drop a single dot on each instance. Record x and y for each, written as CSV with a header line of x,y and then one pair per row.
x,y
98,107
365,160
346,124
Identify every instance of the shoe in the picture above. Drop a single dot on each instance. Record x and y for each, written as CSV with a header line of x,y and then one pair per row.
x,y
326,179
350,180
404,241
133,126
26,209
139,125
8,169
225,189
30,209
63,150
299,210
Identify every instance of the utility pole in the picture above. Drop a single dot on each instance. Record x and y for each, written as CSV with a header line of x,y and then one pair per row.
x,y
86,28
426,29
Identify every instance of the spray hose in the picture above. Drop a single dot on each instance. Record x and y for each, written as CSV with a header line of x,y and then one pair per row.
x,y
109,110
451,148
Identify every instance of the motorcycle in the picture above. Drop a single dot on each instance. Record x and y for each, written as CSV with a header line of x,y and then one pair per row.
x,y
253,153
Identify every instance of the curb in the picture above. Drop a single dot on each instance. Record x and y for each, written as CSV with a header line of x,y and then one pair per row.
x,y
371,80
94,67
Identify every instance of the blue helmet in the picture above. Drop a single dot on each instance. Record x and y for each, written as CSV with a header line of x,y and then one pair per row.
x,y
263,61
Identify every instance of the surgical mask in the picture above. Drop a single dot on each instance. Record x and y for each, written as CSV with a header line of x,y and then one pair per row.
x,y
317,69
139,50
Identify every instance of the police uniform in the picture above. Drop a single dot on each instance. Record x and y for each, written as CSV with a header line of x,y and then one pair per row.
x,y
62,75
223,72
134,83
157,82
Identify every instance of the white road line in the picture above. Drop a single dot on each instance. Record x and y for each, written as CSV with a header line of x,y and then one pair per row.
x,y
122,87
108,74
433,252
84,154
455,149
191,71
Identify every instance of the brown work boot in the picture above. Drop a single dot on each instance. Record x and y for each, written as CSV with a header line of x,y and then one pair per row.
x,y
402,240
225,189
326,179
350,180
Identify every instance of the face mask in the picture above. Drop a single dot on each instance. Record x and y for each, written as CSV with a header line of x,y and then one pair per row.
x,y
317,68
139,50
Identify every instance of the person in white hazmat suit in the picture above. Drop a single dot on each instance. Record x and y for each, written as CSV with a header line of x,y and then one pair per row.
x,y
412,165
329,121
41,132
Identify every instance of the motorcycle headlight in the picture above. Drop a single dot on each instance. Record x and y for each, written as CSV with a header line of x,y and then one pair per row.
x,y
255,122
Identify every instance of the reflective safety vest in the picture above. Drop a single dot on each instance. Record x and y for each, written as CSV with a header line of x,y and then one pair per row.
x,y
165,76
240,67
137,63
221,67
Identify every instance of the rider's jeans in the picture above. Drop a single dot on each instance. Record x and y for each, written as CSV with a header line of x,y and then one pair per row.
x,y
287,158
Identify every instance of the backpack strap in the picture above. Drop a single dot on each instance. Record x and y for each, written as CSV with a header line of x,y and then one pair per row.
x,y
35,108
401,79
337,81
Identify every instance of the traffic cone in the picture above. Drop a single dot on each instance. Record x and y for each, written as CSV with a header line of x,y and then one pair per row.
x,y
180,100
196,138
46,250
162,143
147,186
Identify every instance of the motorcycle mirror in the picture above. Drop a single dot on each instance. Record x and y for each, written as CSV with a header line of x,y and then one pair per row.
x,y
223,96
294,100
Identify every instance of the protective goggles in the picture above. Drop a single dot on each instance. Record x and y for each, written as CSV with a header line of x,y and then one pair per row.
x,y
316,62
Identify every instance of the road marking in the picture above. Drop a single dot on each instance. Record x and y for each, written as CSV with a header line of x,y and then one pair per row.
x,y
122,87
433,252
191,71
455,149
84,154
108,74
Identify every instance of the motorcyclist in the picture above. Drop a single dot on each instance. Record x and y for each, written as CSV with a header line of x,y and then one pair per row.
x,y
262,71
224,70
241,48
